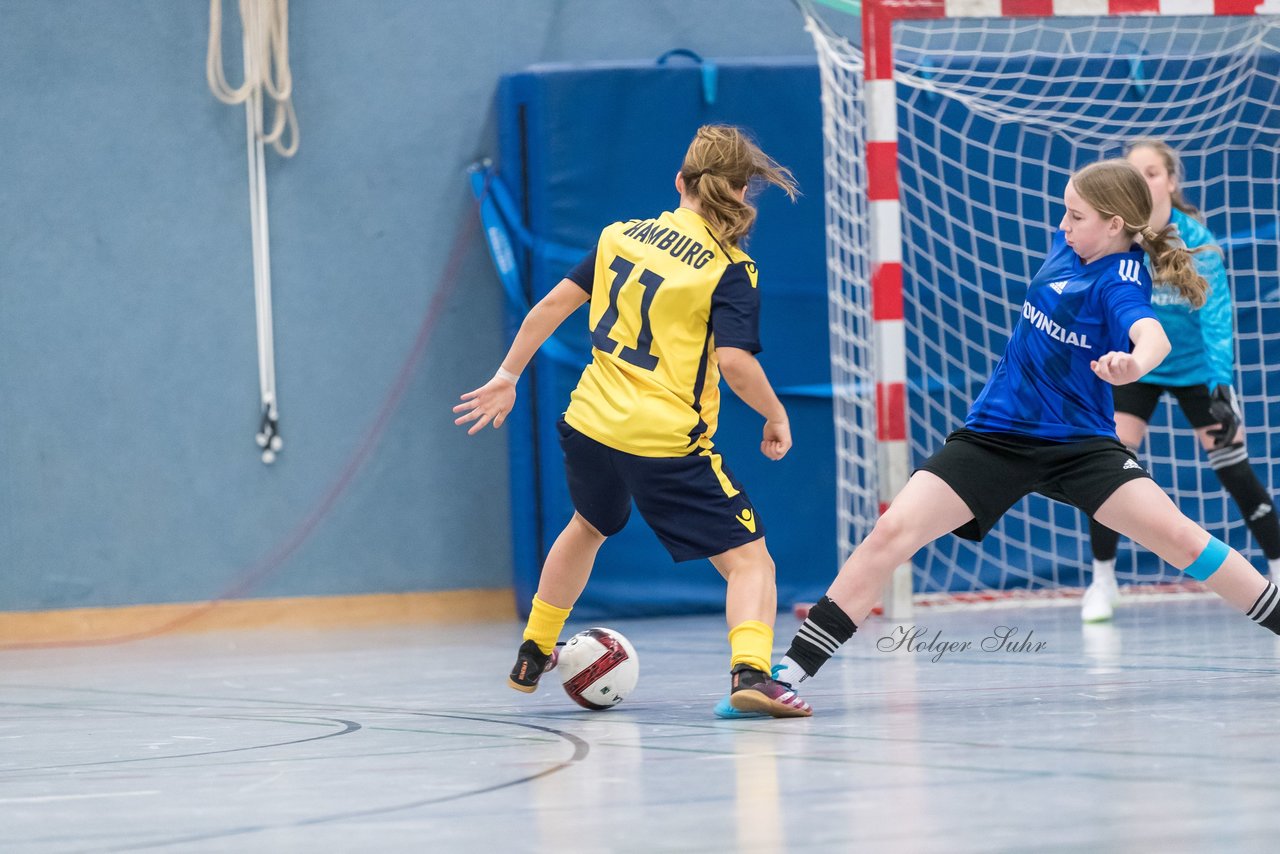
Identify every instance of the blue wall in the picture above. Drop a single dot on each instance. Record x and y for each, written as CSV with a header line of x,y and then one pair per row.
x,y
128,371
564,133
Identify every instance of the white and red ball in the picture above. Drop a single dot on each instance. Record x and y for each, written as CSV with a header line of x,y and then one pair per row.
x,y
598,667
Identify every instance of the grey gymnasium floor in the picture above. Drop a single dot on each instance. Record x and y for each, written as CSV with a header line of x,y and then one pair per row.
x,y
1158,733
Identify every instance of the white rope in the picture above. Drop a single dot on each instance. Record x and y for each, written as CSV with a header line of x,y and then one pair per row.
x,y
266,30
265,26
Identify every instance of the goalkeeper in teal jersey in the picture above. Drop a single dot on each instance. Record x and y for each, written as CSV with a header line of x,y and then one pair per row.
x,y
1198,372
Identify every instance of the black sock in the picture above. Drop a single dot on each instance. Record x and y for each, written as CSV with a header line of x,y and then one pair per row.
x,y
1264,611
820,635
1251,497
1103,541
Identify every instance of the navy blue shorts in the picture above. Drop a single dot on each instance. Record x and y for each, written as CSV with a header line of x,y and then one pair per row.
x,y
993,471
693,503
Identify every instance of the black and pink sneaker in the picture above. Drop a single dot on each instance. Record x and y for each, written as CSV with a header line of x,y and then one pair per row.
x,y
756,691
531,663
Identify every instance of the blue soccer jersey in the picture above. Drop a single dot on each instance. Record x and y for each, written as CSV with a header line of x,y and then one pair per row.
x,y
1074,313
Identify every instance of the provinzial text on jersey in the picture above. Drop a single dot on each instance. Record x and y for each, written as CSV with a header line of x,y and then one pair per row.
x,y
681,246
1042,322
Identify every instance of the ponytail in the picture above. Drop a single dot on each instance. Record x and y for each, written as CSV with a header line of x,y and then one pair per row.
x,y
1173,263
720,161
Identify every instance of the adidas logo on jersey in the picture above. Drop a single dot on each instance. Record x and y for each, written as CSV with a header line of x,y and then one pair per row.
x,y
1058,286
1131,464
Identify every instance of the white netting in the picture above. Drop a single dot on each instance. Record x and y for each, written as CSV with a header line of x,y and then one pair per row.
x,y
993,116
853,370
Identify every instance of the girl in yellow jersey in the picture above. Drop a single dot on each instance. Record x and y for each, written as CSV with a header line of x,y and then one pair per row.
x,y
674,306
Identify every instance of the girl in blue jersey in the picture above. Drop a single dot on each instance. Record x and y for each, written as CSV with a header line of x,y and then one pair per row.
x,y
674,305
1198,372
1044,421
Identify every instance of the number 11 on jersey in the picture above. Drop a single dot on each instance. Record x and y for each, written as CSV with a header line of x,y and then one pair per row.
x,y
640,355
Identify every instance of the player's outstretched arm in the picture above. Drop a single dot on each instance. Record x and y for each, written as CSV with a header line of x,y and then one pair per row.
x,y
1150,346
746,377
494,400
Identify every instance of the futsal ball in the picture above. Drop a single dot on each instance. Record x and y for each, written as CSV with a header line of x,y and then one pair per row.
x,y
598,667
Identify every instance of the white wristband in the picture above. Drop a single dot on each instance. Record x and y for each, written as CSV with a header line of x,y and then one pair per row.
x,y
504,374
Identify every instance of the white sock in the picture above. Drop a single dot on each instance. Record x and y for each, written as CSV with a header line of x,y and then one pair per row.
x,y
790,672
1105,570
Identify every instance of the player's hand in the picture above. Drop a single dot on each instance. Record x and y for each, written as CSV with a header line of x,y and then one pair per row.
x,y
491,402
1225,409
777,439
1117,368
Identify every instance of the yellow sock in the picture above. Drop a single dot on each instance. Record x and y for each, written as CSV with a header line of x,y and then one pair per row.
x,y
545,624
751,643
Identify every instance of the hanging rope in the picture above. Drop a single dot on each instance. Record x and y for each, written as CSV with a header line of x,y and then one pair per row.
x,y
266,37
265,26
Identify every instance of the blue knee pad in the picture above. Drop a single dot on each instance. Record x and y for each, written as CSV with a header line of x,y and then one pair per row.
x,y
1210,560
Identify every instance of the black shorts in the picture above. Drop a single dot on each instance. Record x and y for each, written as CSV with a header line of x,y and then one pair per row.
x,y
693,503
1139,399
993,471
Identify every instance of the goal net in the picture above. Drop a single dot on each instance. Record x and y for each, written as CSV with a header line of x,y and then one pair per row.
x,y
990,117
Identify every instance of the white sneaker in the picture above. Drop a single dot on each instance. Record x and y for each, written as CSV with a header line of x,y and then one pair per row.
x,y
1099,601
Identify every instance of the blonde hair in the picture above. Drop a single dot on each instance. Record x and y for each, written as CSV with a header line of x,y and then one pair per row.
x,y
720,161
1172,165
1116,188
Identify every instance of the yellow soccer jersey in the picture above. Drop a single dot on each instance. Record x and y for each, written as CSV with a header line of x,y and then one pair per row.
x,y
664,293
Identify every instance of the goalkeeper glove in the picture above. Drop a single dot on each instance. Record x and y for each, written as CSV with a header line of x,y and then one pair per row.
x,y
1225,409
